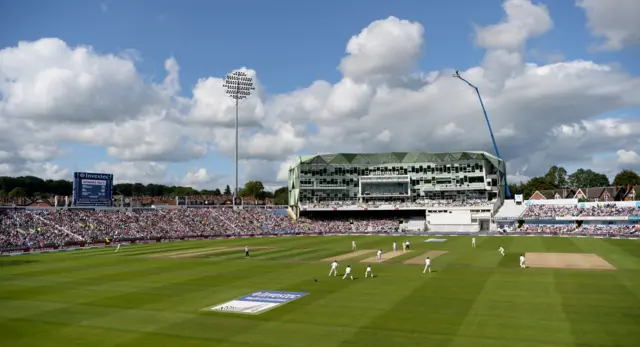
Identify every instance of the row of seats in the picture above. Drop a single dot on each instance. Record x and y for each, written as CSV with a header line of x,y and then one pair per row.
x,y
605,210
418,203
584,229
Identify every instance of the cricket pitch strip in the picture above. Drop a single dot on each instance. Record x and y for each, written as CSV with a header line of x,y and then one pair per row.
x,y
567,261
385,257
419,260
349,255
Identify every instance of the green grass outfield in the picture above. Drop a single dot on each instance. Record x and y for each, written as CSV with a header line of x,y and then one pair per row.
x,y
475,297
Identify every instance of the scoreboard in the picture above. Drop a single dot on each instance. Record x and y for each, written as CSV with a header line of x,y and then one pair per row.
x,y
92,189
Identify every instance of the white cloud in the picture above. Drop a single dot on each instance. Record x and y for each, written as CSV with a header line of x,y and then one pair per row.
x,y
200,179
386,48
615,22
134,172
523,21
628,157
542,114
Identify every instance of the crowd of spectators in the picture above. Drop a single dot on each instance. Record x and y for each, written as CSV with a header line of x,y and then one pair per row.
x,y
422,203
617,229
39,227
552,211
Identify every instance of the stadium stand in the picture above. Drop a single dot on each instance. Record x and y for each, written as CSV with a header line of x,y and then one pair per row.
x,y
24,227
510,210
454,191
552,211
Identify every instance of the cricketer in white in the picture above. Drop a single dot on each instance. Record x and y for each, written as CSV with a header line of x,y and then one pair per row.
x,y
347,272
427,265
334,268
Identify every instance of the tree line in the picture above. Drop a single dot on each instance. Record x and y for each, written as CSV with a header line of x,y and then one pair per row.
x,y
30,186
557,177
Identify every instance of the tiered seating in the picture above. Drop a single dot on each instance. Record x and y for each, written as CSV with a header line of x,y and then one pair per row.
x,y
551,211
422,203
21,228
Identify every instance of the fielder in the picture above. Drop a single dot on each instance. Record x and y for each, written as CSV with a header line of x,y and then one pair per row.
x,y
246,251
114,237
379,255
473,242
347,272
427,265
501,250
334,268
353,245
404,246
522,261
408,246
369,272
394,246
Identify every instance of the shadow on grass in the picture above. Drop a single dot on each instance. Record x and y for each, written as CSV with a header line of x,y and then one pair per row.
x,y
16,262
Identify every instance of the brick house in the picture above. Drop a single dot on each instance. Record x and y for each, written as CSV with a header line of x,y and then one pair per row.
x,y
550,194
595,194
632,193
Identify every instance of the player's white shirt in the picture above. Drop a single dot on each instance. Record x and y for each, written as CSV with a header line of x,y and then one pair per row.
x,y
394,245
334,265
427,262
521,259
407,243
353,243
502,250
246,249
368,268
379,253
473,240
348,270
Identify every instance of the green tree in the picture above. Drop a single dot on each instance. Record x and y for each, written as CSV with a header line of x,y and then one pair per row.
x,y
253,188
17,192
557,176
588,179
626,177
281,196
227,190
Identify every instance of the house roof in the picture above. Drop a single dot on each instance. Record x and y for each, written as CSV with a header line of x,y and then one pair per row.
x,y
566,193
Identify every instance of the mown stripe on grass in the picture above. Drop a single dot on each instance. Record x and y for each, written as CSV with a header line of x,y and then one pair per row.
x,y
594,313
441,300
560,245
237,254
283,254
516,307
151,289
297,254
246,329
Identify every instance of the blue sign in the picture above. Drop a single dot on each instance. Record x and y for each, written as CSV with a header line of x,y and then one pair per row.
x,y
634,217
92,189
258,302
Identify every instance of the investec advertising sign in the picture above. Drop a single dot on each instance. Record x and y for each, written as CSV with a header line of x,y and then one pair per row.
x,y
92,189
258,302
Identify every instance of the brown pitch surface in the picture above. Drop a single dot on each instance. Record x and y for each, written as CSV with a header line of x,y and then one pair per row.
x,y
567,261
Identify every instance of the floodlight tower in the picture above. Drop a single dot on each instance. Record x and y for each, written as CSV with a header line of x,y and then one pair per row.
x,y
486,117
238,85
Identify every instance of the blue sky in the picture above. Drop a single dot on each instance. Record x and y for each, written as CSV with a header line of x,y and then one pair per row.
x,y
289,43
